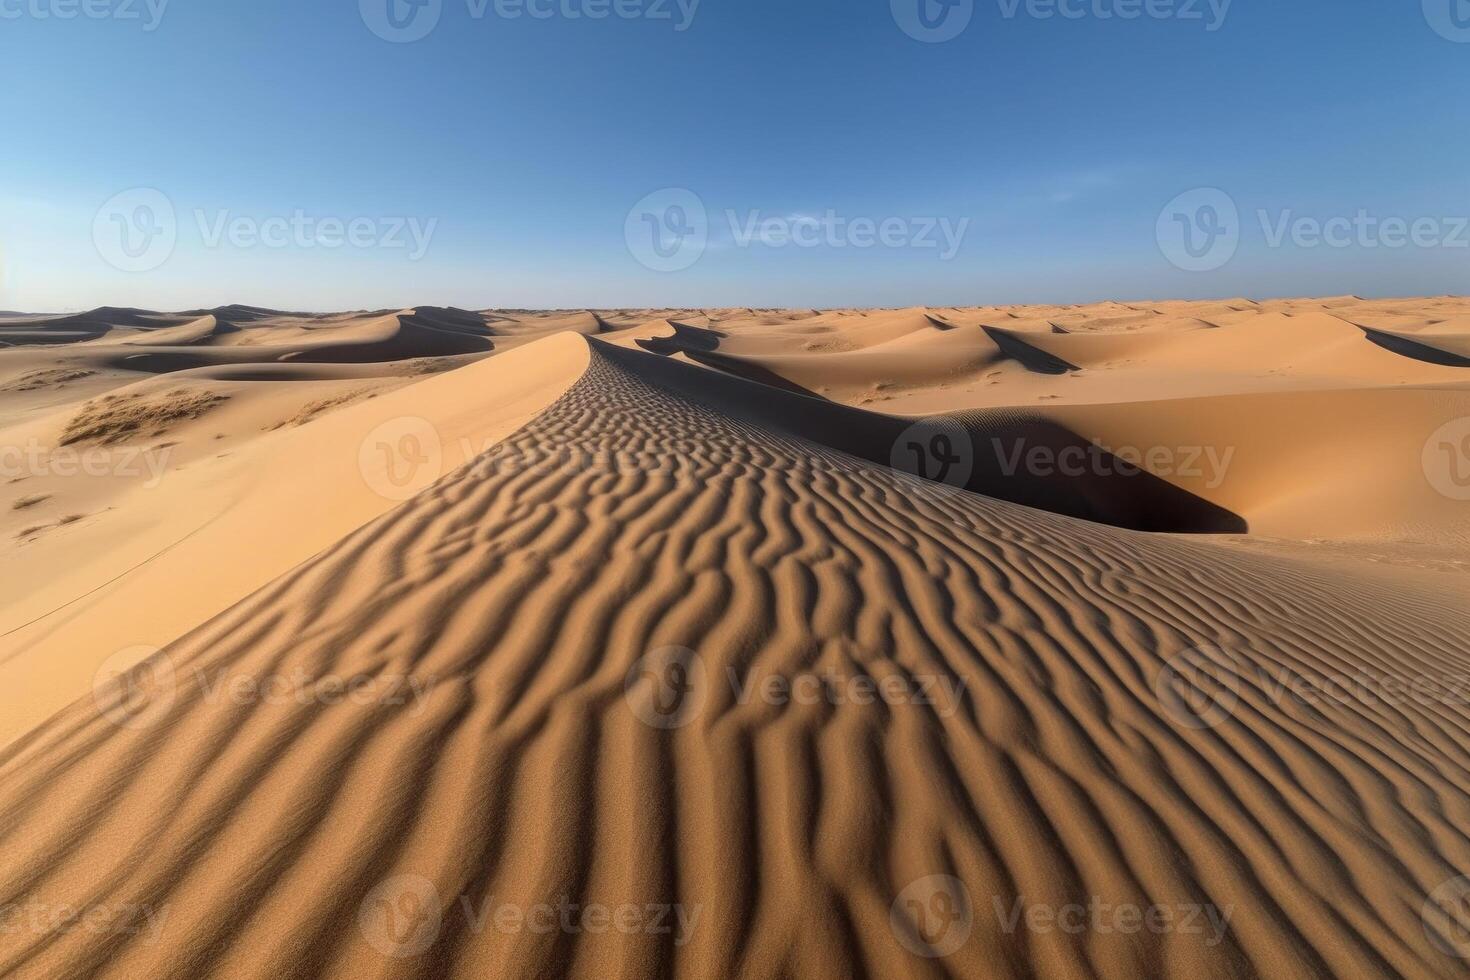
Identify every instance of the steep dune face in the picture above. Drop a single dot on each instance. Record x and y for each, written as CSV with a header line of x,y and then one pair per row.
x,y
183,535
657,687
1450,349
982,452
1290,465
21,330
746,643
157,343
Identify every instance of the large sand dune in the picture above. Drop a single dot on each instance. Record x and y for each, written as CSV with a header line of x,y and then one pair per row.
x,y
693,644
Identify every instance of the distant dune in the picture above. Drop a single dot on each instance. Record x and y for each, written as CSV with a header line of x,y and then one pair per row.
x,y
1128,640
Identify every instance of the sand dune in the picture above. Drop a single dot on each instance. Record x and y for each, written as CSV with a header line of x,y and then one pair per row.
x,y
1452,349
162,552
673,655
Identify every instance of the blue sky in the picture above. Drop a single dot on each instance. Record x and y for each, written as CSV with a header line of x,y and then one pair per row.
x,y
518,145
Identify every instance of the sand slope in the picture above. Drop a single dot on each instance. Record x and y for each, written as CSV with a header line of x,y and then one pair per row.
x,y
164,554
522,597
677,646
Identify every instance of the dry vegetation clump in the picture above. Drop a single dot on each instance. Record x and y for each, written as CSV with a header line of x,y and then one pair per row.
x,y
49,378
311,410
112,419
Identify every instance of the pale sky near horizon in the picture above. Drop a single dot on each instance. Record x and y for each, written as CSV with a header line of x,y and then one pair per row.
x,y
173,154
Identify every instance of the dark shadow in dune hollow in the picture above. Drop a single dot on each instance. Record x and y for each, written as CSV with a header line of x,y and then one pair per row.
x,y
1105,490
1405,347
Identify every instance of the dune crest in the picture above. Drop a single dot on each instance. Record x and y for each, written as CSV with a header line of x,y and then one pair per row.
x,y
665,671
